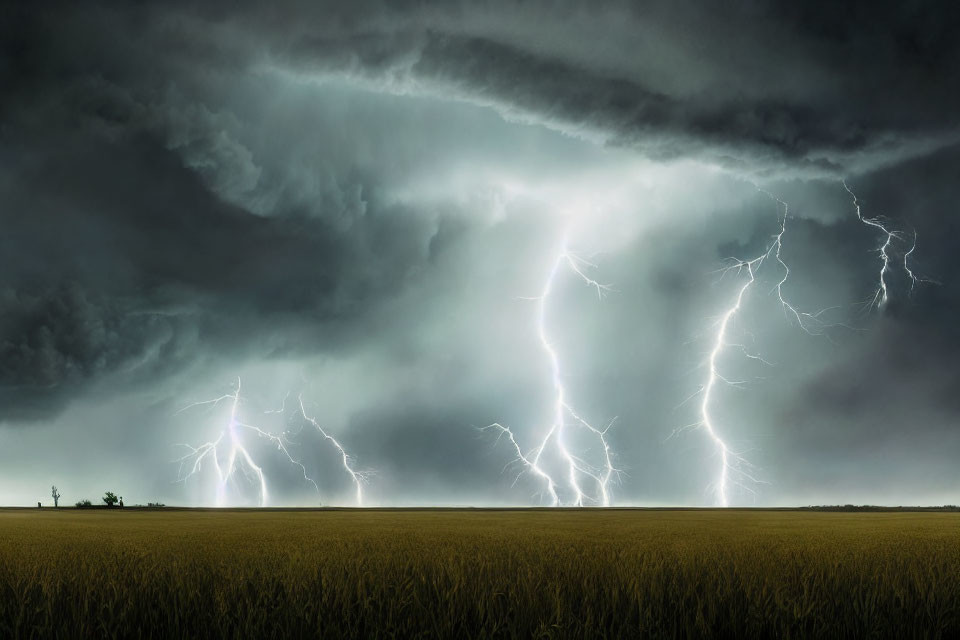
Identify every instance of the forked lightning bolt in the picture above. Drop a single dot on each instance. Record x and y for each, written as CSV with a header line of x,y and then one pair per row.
x,y
238,458
882,294
911,274
731,462
811,323
577,470
734,468
357,477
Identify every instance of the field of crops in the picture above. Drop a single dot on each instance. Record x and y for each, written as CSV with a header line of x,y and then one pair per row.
x,y
465,574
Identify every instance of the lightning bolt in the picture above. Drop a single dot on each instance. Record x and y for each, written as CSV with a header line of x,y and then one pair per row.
x,y
731,462
577,470
914,279
734,468
882,293
238,458
810,323
911,274
357,477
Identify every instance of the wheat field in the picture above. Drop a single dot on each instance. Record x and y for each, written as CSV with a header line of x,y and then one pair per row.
x,y
477,574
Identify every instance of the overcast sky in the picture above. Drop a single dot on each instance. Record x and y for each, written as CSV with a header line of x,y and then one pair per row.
x,y
360,203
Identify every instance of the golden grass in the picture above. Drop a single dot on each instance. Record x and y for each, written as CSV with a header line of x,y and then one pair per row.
x,y
478,574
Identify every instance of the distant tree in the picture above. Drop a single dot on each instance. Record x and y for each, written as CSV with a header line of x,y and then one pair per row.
x,y
56,495
110,498
84,503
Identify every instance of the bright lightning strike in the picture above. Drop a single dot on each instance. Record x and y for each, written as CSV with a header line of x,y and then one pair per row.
x,y
886,250
357,477
882,294
731,463
578,472
911,274
229,454
734,468
810,323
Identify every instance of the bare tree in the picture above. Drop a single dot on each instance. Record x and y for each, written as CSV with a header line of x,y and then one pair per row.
x,y
56,495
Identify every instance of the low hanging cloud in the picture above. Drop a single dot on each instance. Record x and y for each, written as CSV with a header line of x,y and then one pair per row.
x,y
819,88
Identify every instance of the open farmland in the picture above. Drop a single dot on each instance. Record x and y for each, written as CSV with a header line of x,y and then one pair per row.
x,y
478,573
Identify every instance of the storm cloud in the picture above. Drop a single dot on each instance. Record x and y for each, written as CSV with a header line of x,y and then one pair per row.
x,y
356,201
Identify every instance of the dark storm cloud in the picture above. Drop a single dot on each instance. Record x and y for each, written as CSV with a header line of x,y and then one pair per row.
x,y
121,256
817,86
60,337
821,86
184,184
102,266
